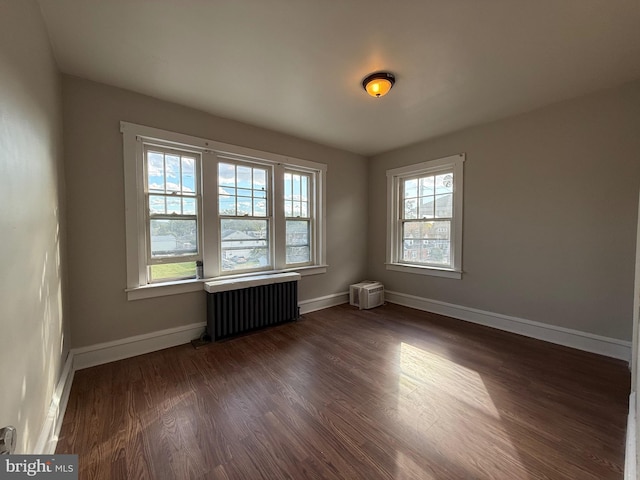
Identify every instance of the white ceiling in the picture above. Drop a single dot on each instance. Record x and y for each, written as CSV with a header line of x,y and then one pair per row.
x,y
295,66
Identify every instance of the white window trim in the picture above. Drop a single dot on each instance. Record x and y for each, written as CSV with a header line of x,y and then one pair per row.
x,y
311,208
198,196
133,136
394,176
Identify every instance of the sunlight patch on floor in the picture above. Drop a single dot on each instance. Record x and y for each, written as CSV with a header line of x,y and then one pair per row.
x,y
407,469
447,408
428,369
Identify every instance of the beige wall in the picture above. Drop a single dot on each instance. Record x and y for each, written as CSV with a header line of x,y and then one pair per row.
x,y
550,207
99,309
32,321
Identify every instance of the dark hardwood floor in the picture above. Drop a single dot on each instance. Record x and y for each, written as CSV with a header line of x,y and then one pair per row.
x,y
388,393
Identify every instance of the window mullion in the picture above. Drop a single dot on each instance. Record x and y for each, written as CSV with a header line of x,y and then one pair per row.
x,y
279,220
210,218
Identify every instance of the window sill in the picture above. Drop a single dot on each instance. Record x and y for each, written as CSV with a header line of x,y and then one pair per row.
x,y
419,270
196,285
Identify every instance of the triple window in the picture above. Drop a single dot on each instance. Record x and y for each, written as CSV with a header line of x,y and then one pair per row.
x,y
235,210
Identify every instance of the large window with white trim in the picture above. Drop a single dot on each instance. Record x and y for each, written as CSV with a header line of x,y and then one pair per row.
x,y
425,217
245,216
171,207
236,210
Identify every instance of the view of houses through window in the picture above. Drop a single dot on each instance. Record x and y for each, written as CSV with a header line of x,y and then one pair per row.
x,y
297,210
427,212
425,217
173,213
199,207
244,215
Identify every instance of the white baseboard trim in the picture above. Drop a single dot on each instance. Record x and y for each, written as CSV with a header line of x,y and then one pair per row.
x,y
320,303
48,439
610,347
631,452
100,353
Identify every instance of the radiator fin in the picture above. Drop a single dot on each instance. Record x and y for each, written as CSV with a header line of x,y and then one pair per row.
x,y
235,312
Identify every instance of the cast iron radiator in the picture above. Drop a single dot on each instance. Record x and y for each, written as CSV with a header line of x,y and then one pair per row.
x,y
241,305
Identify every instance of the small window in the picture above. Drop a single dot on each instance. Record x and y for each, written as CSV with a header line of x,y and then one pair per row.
x,y
425,217
298,217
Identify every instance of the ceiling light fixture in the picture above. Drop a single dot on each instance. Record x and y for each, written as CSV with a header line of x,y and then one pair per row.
x,y
378,84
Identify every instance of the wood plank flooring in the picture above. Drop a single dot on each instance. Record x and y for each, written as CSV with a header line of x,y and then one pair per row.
x,y
388,393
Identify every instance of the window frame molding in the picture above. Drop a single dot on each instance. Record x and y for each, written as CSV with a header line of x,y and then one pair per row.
x,y
149,216
312,209
394,221
134,138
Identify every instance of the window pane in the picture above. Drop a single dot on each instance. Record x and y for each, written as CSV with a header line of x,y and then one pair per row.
x,y
410,208
172,169
287,186
227,191
427,186
297,232
296,186
410,188
245,206
437,252
171,237
444,205
243,176
188,175
429,252
427,242
227,205
439,230
250,198
169,271
426,207
304,188
259,179
243,192
444,183
174,205
296,195
155,171
245,244
298,249
298,255
226,175
259,207
156,204
189,206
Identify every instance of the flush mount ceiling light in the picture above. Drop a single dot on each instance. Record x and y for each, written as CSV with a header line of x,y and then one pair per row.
x,y
378,84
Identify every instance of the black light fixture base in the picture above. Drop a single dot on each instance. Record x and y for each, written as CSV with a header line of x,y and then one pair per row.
x,y
379,76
